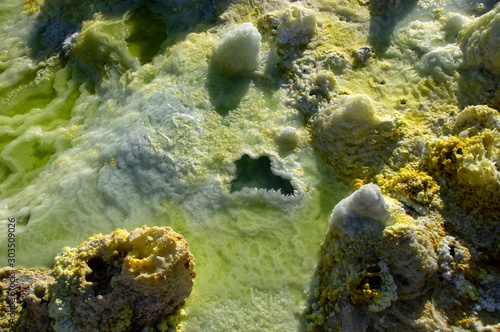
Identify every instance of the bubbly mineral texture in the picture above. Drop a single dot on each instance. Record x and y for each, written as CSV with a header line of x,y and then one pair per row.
x,y
295,26
243,124
238,52
466,164
19,291
382,270
479,42
117,282
355,137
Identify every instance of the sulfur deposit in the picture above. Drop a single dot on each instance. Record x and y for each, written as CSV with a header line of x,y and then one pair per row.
x,y
381,269
117,282
479,42
354,136
243,125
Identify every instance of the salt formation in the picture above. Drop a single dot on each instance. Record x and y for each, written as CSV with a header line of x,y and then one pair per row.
x,y
353,136
479,42
381,269
238,52
290,31
466,164
416,189
288,138
349,215
442,63
117,282
108,122
350,270
24,281
290,28
472,154
296,26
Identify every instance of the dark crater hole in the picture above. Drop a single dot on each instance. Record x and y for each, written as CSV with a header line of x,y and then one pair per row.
x,y
375,282
452,251
101,275
147,33
256,173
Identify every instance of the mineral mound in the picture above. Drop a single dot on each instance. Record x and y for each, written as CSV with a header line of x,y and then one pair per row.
x,y
117,282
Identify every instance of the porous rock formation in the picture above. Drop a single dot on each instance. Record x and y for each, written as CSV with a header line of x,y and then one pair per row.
x,y
354,136
479,42
382,270
117,282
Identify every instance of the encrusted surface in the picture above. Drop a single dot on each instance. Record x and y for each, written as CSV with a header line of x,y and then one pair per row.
x,y
125,113
117,282
403,274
